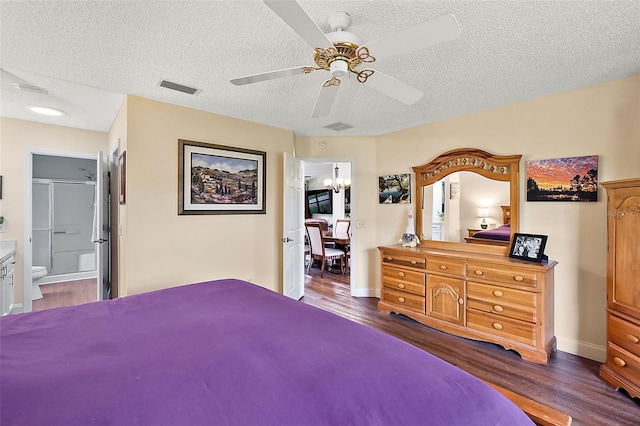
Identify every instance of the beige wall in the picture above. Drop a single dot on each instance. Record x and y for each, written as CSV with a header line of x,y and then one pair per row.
x,y
599,120
16,138
164,249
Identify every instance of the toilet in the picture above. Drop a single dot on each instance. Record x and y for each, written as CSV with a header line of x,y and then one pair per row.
x,y
37,273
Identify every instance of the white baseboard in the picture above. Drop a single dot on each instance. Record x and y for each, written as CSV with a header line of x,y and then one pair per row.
x,y
365,292
583,349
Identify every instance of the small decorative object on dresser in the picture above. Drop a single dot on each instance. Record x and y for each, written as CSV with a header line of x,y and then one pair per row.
x,y
622,366
482,295
528,247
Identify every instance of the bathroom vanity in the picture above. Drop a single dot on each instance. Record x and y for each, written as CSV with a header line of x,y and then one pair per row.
x,y
7,264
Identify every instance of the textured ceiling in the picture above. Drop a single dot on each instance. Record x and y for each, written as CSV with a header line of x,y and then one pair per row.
x,y
92,53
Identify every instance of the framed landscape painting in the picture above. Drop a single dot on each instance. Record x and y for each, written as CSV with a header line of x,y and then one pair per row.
x,y
394,189
218,179
563,179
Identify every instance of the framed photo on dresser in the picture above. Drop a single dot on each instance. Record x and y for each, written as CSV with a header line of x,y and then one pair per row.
x,y
528,247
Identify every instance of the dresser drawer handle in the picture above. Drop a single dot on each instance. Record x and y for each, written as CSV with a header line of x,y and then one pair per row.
x,y
461,301
443,267
619,361
401,274
389,258
413,261
632,338
497,325
401,299
498,293
479,272
498,308
400,285
518,278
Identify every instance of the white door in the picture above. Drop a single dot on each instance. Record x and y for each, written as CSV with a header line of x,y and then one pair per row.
x,y
293,239
101,227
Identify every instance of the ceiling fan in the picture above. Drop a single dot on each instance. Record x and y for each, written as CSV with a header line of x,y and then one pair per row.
x,y
341,52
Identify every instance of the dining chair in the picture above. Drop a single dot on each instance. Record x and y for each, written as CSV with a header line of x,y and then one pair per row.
x,y
342,229
319,251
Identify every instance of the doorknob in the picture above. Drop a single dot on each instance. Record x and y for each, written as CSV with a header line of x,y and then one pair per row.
x,y
286,240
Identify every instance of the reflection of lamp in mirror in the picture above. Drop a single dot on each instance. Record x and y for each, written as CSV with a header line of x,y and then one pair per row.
x,y
482,212
337,183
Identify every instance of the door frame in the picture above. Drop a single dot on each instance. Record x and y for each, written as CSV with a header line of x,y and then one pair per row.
x,y
353,270
27,250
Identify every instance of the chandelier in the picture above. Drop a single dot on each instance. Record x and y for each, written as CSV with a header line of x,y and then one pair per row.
x,y
337,184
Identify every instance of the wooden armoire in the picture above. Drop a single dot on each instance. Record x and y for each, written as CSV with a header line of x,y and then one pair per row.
x,y
622,366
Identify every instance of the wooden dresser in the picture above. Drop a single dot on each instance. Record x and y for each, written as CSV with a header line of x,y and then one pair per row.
x,y
622,367
483,296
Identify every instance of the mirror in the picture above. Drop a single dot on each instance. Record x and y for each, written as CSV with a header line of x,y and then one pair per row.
x,y
462,191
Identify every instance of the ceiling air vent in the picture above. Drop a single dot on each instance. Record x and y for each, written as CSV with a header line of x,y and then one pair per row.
x,y
338,127
31,88
179,87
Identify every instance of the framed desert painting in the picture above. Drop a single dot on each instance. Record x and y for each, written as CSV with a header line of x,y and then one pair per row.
x,y
218,179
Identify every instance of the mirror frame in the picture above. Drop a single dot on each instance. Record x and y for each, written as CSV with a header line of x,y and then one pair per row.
x,y
504,168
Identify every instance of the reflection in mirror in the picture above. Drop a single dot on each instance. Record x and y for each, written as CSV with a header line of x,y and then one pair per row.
x,y
452,206
462,191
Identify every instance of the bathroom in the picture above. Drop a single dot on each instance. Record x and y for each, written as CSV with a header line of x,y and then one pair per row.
x,y
63,191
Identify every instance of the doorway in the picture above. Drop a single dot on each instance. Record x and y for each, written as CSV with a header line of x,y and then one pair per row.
x,y
61,192
327,205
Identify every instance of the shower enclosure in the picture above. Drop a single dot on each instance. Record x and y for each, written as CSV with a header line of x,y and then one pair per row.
x,y
63,214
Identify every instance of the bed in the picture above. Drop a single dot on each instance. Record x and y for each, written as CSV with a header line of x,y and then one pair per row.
x,y
499,236
226,352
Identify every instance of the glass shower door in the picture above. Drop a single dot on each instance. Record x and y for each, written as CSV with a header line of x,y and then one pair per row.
x,y
42,224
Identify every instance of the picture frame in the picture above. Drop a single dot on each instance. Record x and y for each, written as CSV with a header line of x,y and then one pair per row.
x,y
220,179
528,247
394,189
122,166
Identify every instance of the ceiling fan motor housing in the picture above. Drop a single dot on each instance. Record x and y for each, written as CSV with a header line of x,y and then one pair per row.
x,y
339,68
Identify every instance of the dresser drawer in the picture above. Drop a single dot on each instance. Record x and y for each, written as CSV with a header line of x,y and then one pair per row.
x,y
520,331
401,259
623,362
624,334
502,301
446,265
502,273
403,299
403,279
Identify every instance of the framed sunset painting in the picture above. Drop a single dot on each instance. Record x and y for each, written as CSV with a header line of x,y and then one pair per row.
x,y
563,179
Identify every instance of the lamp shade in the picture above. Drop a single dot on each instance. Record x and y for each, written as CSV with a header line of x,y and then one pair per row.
x,y
483,211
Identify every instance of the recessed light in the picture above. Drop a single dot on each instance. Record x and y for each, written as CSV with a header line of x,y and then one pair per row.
x,y
46,111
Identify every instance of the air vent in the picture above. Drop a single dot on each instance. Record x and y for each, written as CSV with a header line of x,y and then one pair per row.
x,y
338,127
31,88
179,87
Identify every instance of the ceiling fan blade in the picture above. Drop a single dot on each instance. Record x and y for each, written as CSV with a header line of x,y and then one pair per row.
x,y
271,75
429,33
294,15
393,88
326,97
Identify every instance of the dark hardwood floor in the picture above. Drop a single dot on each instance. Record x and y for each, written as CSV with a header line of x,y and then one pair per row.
x,y
568,383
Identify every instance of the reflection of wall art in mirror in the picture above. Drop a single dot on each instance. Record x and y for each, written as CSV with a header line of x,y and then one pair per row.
x,y
454,191
395,189
563,179
528,247
217,179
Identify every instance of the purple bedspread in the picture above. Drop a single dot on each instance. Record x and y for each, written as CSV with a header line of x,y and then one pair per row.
x,y
502,233
226,353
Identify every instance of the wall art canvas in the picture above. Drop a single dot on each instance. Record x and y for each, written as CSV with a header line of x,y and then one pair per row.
x,y
395,189
563,179
217,179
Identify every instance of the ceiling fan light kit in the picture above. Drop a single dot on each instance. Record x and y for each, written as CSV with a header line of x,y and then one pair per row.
x,y
341,52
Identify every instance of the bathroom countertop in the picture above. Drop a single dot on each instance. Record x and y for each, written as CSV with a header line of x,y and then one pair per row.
x,y
7,248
